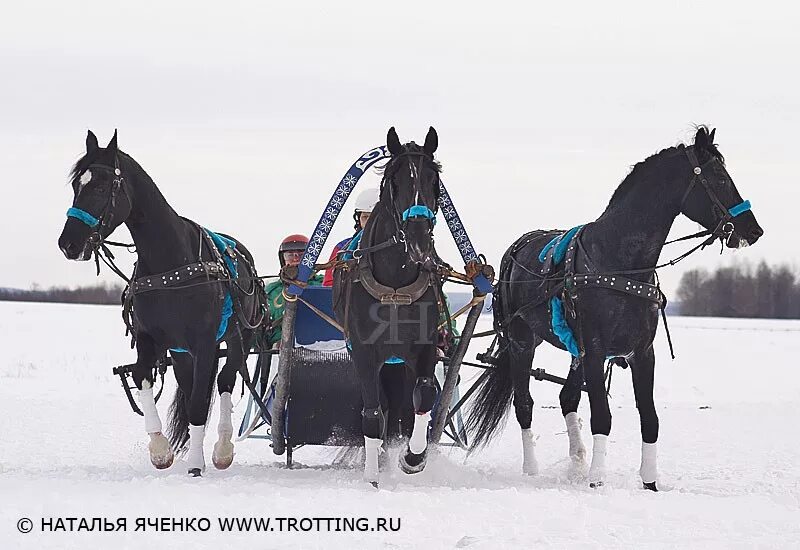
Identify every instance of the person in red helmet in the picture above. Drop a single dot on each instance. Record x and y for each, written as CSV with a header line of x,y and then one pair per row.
x,y
290,252
291,249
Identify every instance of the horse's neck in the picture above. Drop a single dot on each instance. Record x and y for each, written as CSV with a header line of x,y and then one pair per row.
x,y
632,231
163,239
390,266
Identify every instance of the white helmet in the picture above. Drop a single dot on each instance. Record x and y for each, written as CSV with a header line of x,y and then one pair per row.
x,y
367,199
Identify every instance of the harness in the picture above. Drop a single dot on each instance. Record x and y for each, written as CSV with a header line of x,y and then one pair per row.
x,y
402,296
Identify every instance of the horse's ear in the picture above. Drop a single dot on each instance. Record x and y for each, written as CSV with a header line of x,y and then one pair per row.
x,y
91,143
393,142
701,138
112,145
711,136
431,141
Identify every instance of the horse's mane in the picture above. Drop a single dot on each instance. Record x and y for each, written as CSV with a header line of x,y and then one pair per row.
x,y
640,167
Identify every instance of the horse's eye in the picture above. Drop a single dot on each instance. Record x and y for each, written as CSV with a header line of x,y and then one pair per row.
x,y
100,189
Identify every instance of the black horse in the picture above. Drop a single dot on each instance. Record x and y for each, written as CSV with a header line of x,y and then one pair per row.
x,y
190,290
389,300
591,291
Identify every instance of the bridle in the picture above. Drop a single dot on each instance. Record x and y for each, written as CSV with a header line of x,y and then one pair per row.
x,y
418,209
96,240
106,218
724,229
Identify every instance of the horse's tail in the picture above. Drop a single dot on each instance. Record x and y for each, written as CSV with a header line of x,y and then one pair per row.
x,y
178,429
493,399
495,392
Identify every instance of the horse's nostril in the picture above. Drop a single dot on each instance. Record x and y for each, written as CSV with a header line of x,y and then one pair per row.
x,y
69,248
756,232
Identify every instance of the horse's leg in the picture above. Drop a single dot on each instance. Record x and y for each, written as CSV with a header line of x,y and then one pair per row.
x,y
601,415
424,397
373,421
643,371
222,457
392,385
522,345
570,397
199,401
161,455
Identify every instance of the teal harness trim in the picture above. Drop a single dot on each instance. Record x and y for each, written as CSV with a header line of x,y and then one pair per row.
x,y
352,245
560,242
740,208
418,211
83,216
222,244
561,328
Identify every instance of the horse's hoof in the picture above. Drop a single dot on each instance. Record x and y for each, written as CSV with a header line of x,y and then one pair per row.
x,y
650,486
374,484
195,472
596,484
412,463
223,455
161,455
530,468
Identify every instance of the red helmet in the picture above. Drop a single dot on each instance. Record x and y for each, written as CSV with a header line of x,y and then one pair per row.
x,y
295,242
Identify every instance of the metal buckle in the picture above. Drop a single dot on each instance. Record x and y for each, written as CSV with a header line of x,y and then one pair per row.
x,y
396,299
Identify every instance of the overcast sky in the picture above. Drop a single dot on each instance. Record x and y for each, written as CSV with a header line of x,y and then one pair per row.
x,y
246,115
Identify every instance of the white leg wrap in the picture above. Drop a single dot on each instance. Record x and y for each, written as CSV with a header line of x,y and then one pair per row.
x,y
222,456
597,471
419,437
152,423
372,448
529,464
649,468
577,452
194,458
225,428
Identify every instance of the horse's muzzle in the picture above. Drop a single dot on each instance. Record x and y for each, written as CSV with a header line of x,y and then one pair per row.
x,y
73,250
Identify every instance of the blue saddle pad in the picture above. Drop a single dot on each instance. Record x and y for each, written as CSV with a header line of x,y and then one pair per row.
x,y
557,249
558,245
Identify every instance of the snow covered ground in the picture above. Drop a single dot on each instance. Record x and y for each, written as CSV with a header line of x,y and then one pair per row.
x,y
729,455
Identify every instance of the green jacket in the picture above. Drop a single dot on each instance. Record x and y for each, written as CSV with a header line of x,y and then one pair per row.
x,y
274,290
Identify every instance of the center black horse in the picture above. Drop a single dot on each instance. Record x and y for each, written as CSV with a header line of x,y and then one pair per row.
x,y
191,289
590,291
389,302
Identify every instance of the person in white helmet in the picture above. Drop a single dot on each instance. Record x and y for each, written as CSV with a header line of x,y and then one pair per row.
x,y
365,203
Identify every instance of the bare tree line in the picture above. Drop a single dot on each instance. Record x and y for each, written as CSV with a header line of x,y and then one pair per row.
x,y
96,294
741,291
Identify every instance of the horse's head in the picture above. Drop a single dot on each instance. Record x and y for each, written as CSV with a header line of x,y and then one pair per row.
x,y
410,190
101,200
712,199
